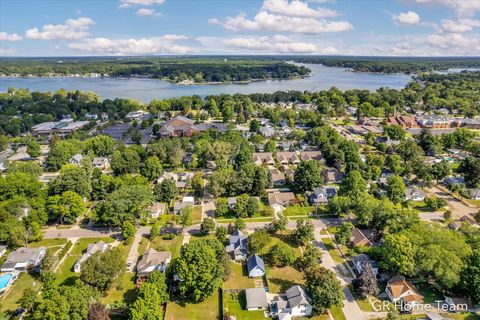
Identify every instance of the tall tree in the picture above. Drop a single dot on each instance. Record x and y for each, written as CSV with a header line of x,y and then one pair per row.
x,y
366,283
308,176
324,289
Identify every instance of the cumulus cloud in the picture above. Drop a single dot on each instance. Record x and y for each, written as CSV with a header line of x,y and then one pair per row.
x,y
407,18
461,7
284,16
6,52
451,40
274,45
461,25
154,45
72,29
130,3
9,37
146,12
296,8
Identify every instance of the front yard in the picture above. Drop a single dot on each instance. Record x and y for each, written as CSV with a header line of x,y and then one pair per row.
x,y
205,310
298,210
281,279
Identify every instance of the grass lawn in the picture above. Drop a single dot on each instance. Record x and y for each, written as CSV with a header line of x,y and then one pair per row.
x,y
197,214
125,291
337,313
286,238
256,219
199,236
65,272
235,304
429,294
462,316
298,210
281,279
174,245
332,249
238,278
205,310
48,243
24,281
142,247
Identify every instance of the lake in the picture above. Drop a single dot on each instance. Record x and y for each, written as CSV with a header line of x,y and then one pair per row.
x,y
145,90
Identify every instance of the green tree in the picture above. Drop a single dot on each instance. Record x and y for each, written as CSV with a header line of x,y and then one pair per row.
x,y
308,176
281,255
200,271
304,231
71,178
470,279
323,288
102,269
354,185
258,240
311,257
396,189
100,146
221,207
33,149
68,206
61,151
198,185
221,233
207,226
165,191
398,254
126,161
344,233
186,216
151,298
152,168
128,230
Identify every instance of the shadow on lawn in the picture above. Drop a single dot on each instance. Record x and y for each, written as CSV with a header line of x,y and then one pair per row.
x,y
283,284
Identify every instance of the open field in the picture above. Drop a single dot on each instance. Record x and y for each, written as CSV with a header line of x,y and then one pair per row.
x,y
205,310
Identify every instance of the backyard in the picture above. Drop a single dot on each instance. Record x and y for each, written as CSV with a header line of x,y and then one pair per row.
x,y
238,278
235,305
205,310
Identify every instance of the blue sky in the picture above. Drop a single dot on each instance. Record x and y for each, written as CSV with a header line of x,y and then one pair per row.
x,y
159,27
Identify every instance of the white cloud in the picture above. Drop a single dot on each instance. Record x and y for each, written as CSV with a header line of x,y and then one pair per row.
x,y
296,8
282,38
461,7
146,12
461,25
9,37
451,40
274,45
7,52
407,18
284,16
154,45
174,37
278,23
73,29
130,3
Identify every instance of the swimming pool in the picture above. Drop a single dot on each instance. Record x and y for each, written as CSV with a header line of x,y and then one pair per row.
x,y
4,280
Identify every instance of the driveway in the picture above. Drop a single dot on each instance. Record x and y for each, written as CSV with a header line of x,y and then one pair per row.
x,y
350,308
133,253
456,206
209,208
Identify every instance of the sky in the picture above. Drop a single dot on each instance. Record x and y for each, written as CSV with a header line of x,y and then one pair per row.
x,y
253,27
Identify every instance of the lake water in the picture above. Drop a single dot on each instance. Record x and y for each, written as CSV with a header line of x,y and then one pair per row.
x,y
321,78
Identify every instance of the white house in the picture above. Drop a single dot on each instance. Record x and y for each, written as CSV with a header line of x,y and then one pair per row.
x,y
153,260
294,303
23,258
100,163
399,290
157,209
76,159
415,194
91,249
255,266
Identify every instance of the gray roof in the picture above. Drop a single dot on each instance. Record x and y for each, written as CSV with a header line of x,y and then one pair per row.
x,y
256,298
153,258
296,296
255,262
24,255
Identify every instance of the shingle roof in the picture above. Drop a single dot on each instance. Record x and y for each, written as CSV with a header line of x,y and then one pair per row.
x,y
255,262
256,298
296,296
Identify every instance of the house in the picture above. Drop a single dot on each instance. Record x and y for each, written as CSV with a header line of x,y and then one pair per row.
x,y
231,201
260,158
100,163
181,178
267,132
23,258
359,239
153,260
157,209
415,194
311,155
451,181
332,175
76,159
475,194
322,195
287,157
178,126
465,219
403,121
458,304
255,266
256,299
179,205
361,260
400,290
279,200
278,177
294,303
91,249
237,247
287,171
137,115
91,116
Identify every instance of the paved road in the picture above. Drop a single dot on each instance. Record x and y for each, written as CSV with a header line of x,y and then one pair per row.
x,y
350,308
79,232
456,206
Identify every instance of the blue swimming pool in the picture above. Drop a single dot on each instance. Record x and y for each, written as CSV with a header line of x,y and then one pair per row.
x,y
4,280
